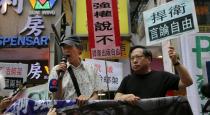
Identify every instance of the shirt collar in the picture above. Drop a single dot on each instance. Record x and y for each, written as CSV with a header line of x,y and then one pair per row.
x,y
80,65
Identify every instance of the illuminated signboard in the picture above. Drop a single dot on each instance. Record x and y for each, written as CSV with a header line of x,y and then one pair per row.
x,y
42,4
24,41
14,74
33,30
37,72
17,6
43,7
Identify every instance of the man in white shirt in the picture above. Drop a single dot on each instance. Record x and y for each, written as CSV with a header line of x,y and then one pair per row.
x,y
86,75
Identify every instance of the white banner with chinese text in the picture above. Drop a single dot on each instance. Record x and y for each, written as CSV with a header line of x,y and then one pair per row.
x,y
113,71
14,75
194,49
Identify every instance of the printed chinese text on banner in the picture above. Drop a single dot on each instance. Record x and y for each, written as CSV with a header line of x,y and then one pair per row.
x,y
195,53
103,28
110,73
14,74
169,20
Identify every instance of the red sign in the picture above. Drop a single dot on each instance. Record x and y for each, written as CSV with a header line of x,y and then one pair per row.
x,y
103,28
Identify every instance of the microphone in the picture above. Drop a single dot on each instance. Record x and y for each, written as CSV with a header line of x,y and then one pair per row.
x,y
53,85
64,60
53,88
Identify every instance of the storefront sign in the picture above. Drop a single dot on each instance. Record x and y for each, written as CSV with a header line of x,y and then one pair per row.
x,y
34,25
42,4
43,7
33,29
38,71
24,41
12,83
14,74
17,6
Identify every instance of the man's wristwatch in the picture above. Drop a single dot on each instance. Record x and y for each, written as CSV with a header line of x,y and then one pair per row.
x,y
177,63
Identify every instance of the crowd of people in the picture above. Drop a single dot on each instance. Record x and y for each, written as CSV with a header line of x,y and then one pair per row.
x,y
143,82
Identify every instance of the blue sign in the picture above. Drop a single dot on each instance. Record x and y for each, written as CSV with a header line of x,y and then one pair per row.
x,y
27,106
24,41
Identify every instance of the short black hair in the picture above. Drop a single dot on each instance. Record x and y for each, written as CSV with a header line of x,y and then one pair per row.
x,y
147,53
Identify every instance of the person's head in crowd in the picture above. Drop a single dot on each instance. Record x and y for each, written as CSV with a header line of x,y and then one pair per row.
x,y
140,59
72,48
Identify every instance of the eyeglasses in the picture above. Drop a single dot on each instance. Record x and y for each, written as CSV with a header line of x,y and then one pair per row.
x,y
138,57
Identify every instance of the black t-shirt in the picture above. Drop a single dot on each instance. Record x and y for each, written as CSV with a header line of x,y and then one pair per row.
x,y
150,85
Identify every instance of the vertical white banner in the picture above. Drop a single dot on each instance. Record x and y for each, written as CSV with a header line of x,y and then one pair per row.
x,y
195,47
113,71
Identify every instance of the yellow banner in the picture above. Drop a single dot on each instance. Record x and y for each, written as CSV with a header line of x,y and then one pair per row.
x,y
81,18
67,10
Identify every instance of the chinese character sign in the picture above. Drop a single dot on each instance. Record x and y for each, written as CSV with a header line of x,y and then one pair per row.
x,y
17,6
103,28
34,25
170,19
38,71
114,74
14,73
35,71
110,73
14,69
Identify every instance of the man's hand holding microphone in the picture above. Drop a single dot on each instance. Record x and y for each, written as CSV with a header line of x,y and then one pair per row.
x,y
56,84
62,67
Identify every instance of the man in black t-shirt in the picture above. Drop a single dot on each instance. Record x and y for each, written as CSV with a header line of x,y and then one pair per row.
x,y
146,83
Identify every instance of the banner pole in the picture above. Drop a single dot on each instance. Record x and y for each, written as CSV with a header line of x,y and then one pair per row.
x,y
107,80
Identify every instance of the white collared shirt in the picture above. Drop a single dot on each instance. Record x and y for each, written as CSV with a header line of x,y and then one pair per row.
x,y
87,79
